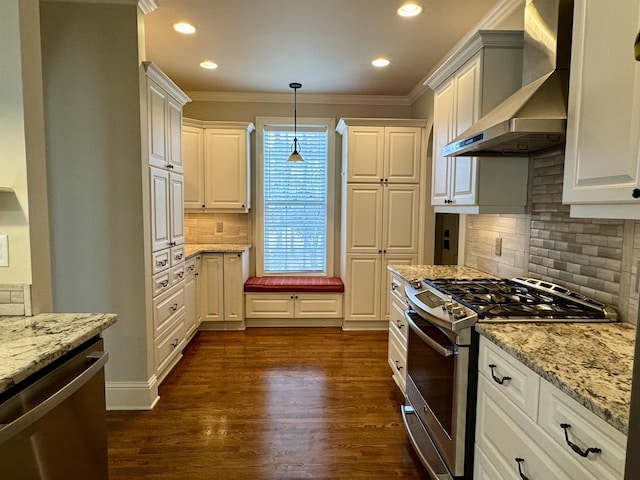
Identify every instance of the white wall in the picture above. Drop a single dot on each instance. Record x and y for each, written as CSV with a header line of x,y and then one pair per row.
x,y
92,108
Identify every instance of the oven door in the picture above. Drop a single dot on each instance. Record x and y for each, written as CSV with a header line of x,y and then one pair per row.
x,y
437,374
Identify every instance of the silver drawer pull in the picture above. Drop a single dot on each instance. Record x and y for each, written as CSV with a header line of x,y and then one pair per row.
x,y
162,263
175,343
174,307
180,274
178,257
576,448
163,283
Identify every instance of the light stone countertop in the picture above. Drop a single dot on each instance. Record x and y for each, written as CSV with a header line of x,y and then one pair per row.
x,y
27,344
590,362
191,249
412,273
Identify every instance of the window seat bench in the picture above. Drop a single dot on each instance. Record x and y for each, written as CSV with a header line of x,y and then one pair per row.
x,y
293,301
294,284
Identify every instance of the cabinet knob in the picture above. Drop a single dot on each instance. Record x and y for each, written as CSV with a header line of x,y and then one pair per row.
x,y
202,206
243,206
635,193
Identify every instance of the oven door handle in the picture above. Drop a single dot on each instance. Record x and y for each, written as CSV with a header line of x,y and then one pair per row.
x,y
444,351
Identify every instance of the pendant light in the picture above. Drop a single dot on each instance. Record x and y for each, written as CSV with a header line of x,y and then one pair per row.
x,y
295,156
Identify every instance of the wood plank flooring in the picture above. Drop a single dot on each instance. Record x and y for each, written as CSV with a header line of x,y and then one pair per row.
x,y
270,403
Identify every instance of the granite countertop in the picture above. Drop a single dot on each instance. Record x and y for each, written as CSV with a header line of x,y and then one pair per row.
x,y
411,273
191,249
590,362
28,344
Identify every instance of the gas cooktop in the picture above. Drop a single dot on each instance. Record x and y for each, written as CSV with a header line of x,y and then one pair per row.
x,y
459,303
520,297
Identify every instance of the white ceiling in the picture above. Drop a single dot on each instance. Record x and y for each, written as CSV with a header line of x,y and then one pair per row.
x,y
327,45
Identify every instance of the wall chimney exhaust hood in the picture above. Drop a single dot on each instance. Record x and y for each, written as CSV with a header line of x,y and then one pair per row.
x,y
533,118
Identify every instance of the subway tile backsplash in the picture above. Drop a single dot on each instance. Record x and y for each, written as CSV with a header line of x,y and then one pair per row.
x,y
597,258
15,299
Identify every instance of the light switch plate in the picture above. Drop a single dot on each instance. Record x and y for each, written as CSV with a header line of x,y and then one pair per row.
x,y
4,250
498,246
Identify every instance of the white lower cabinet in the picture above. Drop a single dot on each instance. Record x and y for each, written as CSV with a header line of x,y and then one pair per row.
x,y
221,288
516,440
293,305
192,320
398,332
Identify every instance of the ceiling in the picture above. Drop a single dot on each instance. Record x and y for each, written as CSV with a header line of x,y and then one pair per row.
x,y
326,45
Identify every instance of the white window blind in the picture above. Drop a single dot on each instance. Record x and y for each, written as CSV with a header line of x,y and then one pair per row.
x,y
295,201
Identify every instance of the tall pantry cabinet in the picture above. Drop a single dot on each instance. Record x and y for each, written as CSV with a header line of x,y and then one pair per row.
x,y
162,165
382,211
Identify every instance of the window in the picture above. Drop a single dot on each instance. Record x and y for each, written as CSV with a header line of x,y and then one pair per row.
x,y
296,209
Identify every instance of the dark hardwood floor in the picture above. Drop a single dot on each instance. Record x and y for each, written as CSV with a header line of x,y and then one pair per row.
x,y
270,403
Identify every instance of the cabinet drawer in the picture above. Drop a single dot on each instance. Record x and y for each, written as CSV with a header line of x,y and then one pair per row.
x,y
177,274
397,289
161,282
190,266
177,255
161,260
504,433
169,345
398,360
586,431
320,305
523,385
265,305
167,307
482,467
398,323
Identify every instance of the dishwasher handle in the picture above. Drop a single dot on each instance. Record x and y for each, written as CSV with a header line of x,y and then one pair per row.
x,y
98,359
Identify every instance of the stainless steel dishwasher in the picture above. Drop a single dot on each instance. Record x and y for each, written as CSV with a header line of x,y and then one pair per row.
x,y
53,425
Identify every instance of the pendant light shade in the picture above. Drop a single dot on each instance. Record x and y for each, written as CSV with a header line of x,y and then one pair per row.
x,y
295,155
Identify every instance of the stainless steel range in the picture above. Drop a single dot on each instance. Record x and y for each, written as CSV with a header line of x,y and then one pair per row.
x,y
442,355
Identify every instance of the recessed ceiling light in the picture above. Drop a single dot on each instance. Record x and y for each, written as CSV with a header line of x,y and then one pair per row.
x,y
209,65
409,10
380,62
184,27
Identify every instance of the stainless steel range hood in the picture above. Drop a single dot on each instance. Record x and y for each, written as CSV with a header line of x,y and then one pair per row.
x,y
534,118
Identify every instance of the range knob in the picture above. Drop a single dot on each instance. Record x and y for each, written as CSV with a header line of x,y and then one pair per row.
x,y
459,312
449,306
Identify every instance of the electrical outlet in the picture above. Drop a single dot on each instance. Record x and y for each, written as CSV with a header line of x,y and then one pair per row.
x,y
219,227
497,249
4,250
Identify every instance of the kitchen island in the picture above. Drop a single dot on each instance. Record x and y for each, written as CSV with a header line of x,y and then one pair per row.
x,y
28,344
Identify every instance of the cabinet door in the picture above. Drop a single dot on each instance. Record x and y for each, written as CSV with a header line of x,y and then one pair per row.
x,y
364,209
212,278
174,135
157,118
190,301
467,112
365,157
402,149
362,289
400,218
177,208
200,291
443,129
233,287
160,227
603,123
225,169
193,166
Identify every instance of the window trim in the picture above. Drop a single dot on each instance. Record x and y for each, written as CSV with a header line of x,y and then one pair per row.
x,y
330,124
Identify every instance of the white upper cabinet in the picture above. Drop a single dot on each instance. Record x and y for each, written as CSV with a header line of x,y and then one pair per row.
x,y
374,153
602,166
466,86
217,165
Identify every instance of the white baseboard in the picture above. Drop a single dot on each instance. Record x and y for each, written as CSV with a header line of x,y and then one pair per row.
x,y
293,322
365,325
132,395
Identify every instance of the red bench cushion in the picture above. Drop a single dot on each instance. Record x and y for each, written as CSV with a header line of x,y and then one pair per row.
x,y
294,284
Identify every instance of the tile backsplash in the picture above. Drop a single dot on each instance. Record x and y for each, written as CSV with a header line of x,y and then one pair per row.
x,y
205,227
597,258
15,299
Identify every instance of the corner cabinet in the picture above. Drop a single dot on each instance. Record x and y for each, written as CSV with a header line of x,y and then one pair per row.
x,y
382,211
478,77
521,424
602,162
162,165
217,165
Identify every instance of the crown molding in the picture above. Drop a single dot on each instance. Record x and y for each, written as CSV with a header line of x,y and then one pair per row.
x,y
112,2
147,6
153,72
331,99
